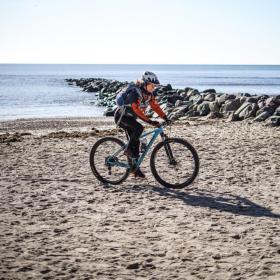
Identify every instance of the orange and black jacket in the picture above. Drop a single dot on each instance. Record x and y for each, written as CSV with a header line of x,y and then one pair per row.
x,y
139,102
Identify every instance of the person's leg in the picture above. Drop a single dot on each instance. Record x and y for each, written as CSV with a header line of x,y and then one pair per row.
x,y
134,130
124,124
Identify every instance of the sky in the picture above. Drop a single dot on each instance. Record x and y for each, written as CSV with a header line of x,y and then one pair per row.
x,y
140,32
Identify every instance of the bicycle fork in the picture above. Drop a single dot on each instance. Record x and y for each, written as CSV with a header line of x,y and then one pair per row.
x,y
168,150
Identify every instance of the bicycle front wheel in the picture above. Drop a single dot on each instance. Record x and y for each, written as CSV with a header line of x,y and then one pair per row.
x,y
174,163
107,161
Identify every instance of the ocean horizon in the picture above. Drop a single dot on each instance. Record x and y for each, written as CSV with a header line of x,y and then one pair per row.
x,y
40,90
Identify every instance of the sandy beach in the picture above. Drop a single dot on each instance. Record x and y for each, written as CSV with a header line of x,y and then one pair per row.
x,y
58,222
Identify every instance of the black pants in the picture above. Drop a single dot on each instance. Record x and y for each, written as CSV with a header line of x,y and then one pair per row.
x,y
133,130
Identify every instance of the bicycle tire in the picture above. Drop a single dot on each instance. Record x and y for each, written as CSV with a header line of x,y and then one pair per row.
x,y
195,162
92,163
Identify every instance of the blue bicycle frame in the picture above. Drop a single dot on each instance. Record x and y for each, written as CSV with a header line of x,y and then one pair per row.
x,y
156,132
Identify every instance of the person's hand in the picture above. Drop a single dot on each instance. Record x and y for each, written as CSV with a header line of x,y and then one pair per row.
x,y
167,121
155,123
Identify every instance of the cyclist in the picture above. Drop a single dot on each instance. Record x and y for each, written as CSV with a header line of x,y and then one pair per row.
x,y
137,98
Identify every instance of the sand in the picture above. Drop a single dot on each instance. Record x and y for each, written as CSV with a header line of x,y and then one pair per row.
x,y
58,222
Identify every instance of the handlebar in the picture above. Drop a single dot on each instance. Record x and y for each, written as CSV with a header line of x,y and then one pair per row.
x,y
166,123
162,124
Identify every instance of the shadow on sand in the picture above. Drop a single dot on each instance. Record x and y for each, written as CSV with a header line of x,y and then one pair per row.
x,y
220,201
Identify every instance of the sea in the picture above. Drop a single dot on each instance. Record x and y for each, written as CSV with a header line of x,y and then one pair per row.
x,y
40,90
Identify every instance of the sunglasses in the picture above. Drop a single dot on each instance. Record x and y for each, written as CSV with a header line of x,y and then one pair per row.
x,y
152,85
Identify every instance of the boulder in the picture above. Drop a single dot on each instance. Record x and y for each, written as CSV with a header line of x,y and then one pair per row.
x,y
203,108
173,98
273,102
249,111
268,109
277,111
261,103
231,105
168,87
252,100
104,89
181,103
241,94
185,95
171,92
262,97
159,92
275,120
210,97
192,113
180,91
109,112
214,106
210,90
111,96
178,112
215,115
224,97
192,92
91,88
262,117
196,99
233,118
178,103
187,89
194,107
243,99
241,108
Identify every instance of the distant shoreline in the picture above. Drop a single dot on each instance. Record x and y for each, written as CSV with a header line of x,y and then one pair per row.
x,y
53,124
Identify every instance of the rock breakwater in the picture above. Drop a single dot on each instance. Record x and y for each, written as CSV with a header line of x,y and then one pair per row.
x,y
189,102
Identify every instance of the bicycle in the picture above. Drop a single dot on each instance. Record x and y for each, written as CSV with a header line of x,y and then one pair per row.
x,y
170,158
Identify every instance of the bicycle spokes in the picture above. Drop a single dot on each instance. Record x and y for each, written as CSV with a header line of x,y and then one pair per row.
x,y
108,162
174,163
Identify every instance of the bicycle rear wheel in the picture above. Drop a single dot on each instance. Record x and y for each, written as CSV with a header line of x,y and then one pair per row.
x,y
107,165
174,163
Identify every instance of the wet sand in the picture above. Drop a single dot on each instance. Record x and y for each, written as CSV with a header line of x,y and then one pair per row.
x,y
58,222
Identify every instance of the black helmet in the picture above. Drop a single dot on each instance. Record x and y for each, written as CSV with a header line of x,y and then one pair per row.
x,y
150,77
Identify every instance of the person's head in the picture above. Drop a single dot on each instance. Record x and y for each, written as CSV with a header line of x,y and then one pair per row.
x,y
150,81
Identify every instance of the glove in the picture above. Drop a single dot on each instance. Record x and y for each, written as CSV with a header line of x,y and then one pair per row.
x,y
167,120
154,123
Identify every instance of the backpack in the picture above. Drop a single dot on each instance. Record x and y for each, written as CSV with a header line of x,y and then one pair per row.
x,y
123,94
